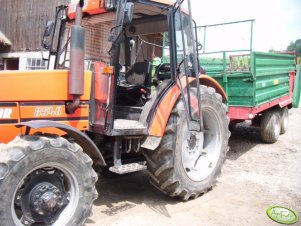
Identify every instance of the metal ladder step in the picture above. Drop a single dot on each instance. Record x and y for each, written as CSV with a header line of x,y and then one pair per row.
x,y
124,127
125,124
128,168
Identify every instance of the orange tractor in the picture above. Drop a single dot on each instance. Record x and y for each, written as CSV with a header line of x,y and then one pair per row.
x,y
109,108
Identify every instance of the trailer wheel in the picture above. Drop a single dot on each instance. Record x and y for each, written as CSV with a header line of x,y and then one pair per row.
x,y
283,119
270,126
186,164
45,181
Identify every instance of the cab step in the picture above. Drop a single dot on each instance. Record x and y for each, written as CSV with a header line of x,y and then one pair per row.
x,y
128,168
128,127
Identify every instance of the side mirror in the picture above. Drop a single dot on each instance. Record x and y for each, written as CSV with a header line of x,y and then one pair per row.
x,y
128,15
199,46
49,28
47,33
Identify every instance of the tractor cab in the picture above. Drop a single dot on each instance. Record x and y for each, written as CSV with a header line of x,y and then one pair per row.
x,y
136,50
143,57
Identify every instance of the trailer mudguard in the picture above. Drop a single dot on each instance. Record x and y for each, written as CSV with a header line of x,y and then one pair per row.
x,y
164,108
81,138
297,87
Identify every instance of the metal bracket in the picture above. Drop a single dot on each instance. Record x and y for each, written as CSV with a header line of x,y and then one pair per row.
x,y
117,152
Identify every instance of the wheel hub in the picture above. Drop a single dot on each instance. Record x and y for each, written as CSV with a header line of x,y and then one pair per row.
x,y
43,198
193,143
200,150
46,199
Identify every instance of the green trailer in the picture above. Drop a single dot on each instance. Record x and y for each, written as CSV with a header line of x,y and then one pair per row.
x,y
255,79
260,87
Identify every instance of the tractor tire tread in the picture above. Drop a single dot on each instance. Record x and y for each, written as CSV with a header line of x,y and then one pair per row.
x,y
161,166
22,149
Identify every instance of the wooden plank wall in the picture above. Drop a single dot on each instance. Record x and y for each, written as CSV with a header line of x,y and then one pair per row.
x,y
23,21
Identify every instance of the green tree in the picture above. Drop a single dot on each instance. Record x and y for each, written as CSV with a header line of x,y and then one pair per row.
x,y
295,45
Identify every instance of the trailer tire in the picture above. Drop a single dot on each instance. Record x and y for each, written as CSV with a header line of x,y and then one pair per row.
x,y
167,165
270,126
45,180
284,119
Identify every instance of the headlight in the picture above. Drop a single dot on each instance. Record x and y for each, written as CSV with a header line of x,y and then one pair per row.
x,y
110,5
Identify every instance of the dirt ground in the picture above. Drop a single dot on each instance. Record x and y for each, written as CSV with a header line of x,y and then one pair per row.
x,y
254,177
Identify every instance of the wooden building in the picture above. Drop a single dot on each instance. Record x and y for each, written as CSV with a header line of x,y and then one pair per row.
x,y
23,22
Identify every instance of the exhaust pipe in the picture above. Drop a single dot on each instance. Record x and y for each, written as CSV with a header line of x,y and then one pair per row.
x,y
77,57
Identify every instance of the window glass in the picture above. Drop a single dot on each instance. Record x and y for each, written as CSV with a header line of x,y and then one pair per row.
x,y
184,41
35,64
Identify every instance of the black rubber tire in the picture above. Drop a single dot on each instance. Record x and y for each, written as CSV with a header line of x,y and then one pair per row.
x,y
270,126
24,154
165,163
283,119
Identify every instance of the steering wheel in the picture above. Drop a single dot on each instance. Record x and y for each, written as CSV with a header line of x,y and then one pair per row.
x,y
162,72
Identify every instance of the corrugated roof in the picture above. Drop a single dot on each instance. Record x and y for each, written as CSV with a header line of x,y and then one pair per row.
x,y
4,40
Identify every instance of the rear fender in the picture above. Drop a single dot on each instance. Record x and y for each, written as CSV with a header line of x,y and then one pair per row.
x,y
159,120
80,138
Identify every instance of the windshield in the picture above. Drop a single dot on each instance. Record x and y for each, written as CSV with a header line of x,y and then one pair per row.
x,y
184,42
116,31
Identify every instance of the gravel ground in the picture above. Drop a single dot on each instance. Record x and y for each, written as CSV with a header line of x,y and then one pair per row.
x,y
254,177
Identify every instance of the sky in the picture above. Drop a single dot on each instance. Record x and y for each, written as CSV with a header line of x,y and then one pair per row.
x,y
277,22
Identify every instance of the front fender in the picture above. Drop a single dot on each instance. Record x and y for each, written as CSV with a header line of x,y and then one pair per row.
x,y
80,138
163,110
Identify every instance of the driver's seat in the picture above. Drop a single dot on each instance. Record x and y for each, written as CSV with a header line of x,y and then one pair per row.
x,y
139,73
138,78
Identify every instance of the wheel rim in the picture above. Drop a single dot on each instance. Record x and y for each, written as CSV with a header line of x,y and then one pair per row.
x,y
49,198
201,151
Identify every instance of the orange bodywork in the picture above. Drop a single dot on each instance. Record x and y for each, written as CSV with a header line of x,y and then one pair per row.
x,y
90,7
39,95
101,82
38,85
7,131
158,124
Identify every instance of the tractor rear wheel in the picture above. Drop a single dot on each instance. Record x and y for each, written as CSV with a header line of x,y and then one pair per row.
x,y
45,181
186,164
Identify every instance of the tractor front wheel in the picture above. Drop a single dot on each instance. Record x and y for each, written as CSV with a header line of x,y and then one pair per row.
x,y
45,181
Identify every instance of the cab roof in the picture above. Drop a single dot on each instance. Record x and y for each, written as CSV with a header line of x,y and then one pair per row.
x,y
142,8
